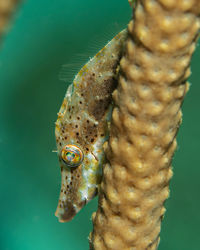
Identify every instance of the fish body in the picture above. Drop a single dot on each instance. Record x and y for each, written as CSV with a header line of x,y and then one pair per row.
x,y
82,128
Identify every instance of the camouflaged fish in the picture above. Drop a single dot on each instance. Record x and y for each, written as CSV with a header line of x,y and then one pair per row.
x,y
82,128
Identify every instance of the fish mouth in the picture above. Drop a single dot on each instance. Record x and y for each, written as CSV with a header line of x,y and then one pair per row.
x,y
66,211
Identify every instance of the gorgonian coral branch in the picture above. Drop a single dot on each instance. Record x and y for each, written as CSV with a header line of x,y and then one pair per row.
x,y
145,120
6,9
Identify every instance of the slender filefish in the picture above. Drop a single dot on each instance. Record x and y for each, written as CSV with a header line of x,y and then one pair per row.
x,y
82,128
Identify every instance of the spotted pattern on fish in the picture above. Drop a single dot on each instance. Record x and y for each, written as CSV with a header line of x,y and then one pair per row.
x,y
83,122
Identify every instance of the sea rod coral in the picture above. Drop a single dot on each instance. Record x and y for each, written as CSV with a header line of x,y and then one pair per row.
x,y
6,9
147,114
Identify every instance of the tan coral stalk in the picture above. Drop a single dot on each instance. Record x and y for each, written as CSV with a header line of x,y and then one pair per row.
x,y
6,9
145,121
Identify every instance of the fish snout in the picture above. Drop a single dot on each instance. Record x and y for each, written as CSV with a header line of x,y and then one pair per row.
x,y
67,210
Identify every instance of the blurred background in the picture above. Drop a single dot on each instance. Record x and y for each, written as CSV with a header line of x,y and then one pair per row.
x,y
44,47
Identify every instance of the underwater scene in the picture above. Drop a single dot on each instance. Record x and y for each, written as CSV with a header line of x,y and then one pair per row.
x,y
43,48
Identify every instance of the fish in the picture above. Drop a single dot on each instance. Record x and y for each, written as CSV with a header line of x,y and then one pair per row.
x,y
82,127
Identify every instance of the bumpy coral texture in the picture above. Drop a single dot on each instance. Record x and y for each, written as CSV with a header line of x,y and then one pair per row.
x,y
6,9
145,121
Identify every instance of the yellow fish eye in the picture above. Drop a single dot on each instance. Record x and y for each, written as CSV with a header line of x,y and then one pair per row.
x,y
72,155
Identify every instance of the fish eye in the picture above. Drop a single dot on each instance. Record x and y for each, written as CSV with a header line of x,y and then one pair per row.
x,y
72,155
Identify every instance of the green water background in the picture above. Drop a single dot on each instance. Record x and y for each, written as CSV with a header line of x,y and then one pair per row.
x,y
46,35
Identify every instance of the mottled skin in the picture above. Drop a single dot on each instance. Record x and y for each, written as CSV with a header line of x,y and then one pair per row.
x,y
83,121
